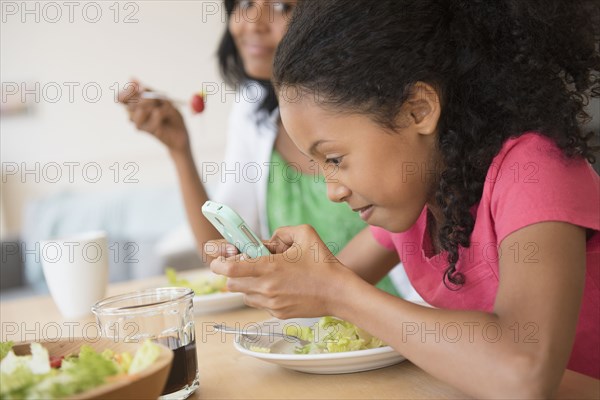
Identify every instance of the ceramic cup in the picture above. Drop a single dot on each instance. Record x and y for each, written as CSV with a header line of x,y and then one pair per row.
x,y
76,271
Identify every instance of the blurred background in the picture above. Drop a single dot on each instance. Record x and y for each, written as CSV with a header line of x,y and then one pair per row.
x,y
71,160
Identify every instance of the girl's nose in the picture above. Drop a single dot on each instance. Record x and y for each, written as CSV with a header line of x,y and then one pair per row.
x,y
336,191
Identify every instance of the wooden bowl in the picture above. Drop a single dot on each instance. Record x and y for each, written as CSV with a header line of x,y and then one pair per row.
x,y
148,384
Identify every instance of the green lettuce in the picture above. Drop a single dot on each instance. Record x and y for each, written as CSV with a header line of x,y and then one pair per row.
x,y
78,374
19,373
260,349
144,357
5,347
332,335
201,286
31,376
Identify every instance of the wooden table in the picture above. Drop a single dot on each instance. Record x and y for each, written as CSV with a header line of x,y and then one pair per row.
x,y
227,374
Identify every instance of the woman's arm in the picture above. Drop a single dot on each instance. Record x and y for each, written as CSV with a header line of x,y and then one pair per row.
x,y
492,357
163,121
194,196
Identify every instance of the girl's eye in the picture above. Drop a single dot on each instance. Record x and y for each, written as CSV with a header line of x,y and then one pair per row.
x,y
336,161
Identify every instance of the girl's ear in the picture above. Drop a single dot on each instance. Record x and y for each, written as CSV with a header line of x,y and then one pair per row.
x,y
423,106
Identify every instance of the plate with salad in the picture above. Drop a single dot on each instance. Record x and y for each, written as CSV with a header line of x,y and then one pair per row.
x,y
335,346
211,294
83,369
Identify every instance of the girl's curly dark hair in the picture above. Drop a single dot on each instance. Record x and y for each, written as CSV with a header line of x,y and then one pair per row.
x,y
500,67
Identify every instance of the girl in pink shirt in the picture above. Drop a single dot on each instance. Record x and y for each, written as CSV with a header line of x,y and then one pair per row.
x,y
454,129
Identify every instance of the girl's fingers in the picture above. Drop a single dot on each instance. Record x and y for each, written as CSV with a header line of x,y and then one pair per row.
x,y
284,236
254,300
242,285
238,266
288,236
220,248
276,245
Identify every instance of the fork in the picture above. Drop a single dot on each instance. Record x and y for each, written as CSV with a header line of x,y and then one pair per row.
x,y
226,329
161,96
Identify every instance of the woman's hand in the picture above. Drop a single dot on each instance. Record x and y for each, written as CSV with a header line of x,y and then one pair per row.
x,y
158,117
301,278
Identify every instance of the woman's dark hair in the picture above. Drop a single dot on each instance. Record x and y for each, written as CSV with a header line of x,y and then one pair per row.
x,y
232,66
501,68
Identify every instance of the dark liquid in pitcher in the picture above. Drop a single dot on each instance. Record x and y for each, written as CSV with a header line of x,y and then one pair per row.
x,y
183,369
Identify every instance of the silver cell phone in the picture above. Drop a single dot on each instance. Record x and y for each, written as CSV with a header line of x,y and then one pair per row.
x,y
234,229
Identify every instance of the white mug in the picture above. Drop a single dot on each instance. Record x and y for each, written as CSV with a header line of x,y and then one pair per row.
x,y
76,271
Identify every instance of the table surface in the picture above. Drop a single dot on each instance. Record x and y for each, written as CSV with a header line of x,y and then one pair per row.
x,y
227,374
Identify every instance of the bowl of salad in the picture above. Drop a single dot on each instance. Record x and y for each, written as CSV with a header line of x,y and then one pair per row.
x,y
77,368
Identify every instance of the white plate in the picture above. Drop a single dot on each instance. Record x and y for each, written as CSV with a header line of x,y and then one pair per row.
x,y
282,352
214,302
217,302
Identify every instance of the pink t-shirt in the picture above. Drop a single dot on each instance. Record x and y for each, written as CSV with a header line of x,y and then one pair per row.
x,y
529,181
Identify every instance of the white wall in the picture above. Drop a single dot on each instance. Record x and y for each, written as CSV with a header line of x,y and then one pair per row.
x,y
169,45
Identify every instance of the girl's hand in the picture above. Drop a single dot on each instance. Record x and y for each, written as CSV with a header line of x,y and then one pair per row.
x,y
157,117
220,248
301,278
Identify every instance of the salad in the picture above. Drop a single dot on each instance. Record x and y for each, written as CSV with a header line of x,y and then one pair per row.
x,y
203,285
40,376
332,335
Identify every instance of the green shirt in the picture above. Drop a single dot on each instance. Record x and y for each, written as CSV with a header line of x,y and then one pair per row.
x,y
294,198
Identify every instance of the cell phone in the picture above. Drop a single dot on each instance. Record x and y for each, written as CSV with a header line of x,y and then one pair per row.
x,y
234,229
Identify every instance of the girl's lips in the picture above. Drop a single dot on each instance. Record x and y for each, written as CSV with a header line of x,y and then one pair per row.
x,y
365,212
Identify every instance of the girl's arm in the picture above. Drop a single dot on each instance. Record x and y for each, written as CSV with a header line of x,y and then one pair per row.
x,y
518,351
367,258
